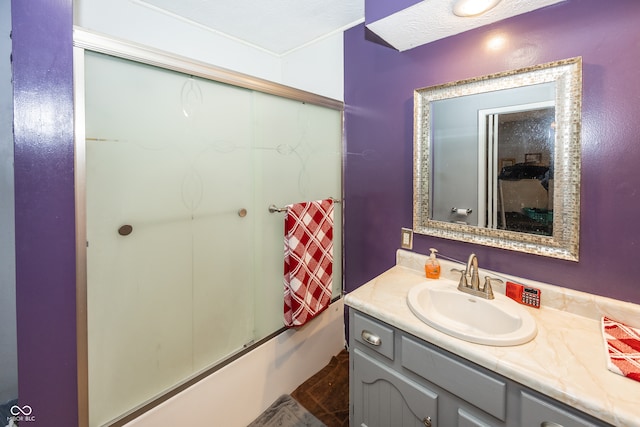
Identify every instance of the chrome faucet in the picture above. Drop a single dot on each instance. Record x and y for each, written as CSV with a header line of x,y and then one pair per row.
x,y
471,273
470,280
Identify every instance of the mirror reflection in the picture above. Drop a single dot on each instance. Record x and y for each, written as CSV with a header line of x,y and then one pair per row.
x,y
488,155
491,158
523,196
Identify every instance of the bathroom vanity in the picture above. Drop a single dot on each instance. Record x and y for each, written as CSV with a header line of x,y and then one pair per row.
x,y
406,373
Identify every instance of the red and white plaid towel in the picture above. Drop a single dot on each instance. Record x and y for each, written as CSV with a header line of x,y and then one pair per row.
x,y
623,348
308,260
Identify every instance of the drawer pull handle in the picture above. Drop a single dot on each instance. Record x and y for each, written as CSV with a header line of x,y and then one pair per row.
x,y
371,338
550,424
427,422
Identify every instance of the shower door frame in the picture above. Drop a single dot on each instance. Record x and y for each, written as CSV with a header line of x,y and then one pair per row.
x,y
84,40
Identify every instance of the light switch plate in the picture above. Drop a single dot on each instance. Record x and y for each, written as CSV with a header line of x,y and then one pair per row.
x,y
406,241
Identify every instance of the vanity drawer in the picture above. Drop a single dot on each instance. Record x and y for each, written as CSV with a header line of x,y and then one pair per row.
x,y
483,391
373,335
466,419
537,412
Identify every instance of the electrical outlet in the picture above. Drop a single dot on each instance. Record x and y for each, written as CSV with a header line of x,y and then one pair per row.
x,y
407,238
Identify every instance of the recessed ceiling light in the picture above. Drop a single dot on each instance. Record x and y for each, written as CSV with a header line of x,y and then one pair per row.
x,y
467,8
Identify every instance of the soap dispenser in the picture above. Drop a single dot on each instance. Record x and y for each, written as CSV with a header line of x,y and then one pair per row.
x,y
432,266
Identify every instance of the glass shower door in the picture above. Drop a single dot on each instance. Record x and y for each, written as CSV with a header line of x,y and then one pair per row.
x,y
184,259
170,289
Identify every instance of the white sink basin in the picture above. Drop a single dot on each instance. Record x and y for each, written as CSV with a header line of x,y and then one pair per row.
x,y
498,322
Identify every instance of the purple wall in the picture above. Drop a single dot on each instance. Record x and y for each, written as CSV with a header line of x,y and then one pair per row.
x,y
379,84
44,191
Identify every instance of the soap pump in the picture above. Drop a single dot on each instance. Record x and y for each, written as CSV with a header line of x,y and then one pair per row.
x,y
432,266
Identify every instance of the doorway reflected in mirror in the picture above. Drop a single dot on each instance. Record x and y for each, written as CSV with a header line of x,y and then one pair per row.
x,y
524,187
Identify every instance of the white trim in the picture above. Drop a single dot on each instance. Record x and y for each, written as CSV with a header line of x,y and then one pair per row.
x,y
81,237
102,43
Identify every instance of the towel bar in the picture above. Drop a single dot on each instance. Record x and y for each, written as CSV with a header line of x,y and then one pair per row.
x,y
274,208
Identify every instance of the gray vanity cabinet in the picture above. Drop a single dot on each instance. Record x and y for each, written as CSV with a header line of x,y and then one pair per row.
x,y
398,380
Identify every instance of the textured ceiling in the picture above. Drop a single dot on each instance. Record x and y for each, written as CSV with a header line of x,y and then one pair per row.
x,y
282,26
431,20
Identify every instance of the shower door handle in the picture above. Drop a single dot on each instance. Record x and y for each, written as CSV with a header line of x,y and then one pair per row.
x,y
125,230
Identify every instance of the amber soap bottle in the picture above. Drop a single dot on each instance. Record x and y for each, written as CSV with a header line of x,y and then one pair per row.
x,y
432,266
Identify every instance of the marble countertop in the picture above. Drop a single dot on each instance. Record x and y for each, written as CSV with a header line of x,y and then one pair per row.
x,y
566,360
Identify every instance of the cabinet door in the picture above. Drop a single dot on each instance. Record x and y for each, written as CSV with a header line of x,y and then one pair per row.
x,y
383,398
